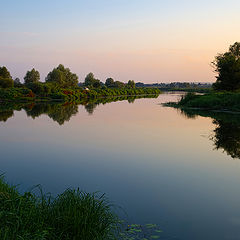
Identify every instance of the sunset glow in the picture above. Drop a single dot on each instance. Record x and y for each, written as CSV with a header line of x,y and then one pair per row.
x,y
145,40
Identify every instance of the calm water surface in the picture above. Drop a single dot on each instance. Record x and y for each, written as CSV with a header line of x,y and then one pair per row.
x,y
160,165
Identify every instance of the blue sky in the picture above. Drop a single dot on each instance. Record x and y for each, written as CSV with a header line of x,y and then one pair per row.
x,y
144,40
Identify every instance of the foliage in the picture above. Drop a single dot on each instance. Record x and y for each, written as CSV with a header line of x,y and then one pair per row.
x,y
226,135
91,81
6,82
5,78
32,76
4,73
141,232
60,112
109,82
131,84
227,65
17,82
16,94
223,101
71,215
63,77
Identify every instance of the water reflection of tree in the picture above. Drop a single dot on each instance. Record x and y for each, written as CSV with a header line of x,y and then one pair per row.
x,y
60,112
5,115
7,110
90,107
226,135
63,113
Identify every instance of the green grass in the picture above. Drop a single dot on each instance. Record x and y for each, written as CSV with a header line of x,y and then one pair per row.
x,y
71,215
222,101
70,95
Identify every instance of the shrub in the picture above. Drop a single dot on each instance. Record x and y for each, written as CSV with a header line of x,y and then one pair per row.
x,y
6,82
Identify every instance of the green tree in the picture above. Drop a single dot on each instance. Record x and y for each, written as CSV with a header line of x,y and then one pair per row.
x,y
118,84
6,80
227,65
63,77
4,73
109,82
32,76
17,82
131,84
91,81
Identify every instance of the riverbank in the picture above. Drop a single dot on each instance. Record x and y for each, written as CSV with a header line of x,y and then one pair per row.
x,y
217,101
69,95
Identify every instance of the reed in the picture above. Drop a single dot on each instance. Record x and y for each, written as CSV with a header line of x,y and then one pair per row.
x,y
71,215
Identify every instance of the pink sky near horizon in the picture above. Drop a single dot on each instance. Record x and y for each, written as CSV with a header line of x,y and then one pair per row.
x,y
175,45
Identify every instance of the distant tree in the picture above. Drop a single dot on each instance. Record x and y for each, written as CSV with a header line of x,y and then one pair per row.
x,y
17,82
6,80
227,65
91,81
131,84
32,76
118,84
4,73
97,83
63,77
109,82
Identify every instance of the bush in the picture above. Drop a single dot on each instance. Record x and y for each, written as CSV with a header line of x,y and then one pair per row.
x,y
6,82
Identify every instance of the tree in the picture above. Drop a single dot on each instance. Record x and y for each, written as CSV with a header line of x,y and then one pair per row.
x,y
91,81
6,80
32,76
109,82
17,82
118,84
4,73
63,77
227,65
131,84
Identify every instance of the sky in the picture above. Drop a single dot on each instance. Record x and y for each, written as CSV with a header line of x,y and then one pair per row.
x,y
143,40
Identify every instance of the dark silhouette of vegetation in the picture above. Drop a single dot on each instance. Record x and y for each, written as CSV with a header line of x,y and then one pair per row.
x,y
109,82
226,135
59,112
221,101
131,84
227,66
226,96
17,82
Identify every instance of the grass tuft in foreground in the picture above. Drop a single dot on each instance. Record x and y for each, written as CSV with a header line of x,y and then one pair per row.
x,y
72,215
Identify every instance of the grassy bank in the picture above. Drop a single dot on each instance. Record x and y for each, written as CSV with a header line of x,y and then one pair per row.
x,y
221,101
71,215
69,95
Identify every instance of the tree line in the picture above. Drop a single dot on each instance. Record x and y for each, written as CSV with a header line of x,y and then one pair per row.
x,y
59,76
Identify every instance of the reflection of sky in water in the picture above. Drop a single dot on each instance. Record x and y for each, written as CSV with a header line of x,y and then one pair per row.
x,y
156,164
